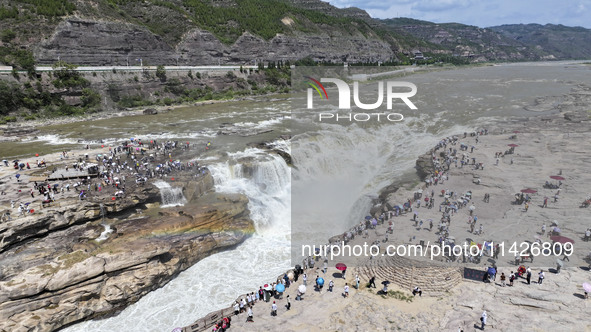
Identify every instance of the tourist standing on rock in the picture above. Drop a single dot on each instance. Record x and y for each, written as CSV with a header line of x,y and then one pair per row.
x,y
503,279
273,309
330,285
372,282
249,315
305,279
236,308
483,320
346,290
357,282
325,266
242,305
541,277
288,304
528,278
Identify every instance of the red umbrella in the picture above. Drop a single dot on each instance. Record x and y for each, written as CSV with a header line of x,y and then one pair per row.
x,y
513,145
561,239
557,177
529,191
341,267
516,131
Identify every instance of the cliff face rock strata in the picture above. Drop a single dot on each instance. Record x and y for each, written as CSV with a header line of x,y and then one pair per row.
x,y
67,213
67,276
88,42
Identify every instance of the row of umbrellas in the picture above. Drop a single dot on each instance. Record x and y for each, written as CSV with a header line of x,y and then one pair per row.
x,y
302,288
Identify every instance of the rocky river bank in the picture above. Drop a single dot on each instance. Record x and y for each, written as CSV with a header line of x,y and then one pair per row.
x,y
56,269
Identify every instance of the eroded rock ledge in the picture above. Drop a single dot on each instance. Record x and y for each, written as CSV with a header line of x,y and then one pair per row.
x,y
54,272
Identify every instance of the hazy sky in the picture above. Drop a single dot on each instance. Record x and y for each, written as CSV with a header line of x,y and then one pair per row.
x,y
482,13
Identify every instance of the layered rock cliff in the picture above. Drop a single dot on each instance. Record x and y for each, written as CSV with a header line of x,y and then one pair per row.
x,y
90,42
60,274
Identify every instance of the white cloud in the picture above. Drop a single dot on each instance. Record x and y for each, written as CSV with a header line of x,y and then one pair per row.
x,y
439,5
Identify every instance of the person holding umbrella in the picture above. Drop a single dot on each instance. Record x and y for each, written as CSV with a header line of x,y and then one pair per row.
x,y
341,267
385,289
319,283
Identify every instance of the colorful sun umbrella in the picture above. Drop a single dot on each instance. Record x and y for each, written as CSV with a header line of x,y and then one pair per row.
x,y
513,145
280,288
561,239
587,287
302,289
341,266
557,177
320,281
529,191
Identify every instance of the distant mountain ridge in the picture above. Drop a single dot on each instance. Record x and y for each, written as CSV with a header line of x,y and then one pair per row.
x,y
561,41
202,32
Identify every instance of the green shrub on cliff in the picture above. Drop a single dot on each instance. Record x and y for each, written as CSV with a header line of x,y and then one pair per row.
x,y
161,73
7,35
90,98
8,12
50,7
67,77
18,58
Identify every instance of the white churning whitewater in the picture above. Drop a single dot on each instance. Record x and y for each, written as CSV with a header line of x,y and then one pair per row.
x,y
170,196
217,280
341,168
108,230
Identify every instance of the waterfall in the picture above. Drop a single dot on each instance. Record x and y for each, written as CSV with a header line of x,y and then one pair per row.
x,y
265,178
108,230
170,196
